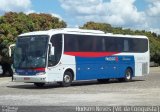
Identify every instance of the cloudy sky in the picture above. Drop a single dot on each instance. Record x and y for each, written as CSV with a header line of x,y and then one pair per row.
x,y
134,14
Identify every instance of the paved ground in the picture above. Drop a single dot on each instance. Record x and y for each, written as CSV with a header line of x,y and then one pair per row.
x,y
144,91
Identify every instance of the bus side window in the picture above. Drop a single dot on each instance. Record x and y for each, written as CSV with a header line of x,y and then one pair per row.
x,y
110,44
70,43
56,41
99,44
119,44
126,45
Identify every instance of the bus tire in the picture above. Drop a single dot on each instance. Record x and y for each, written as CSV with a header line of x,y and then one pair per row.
x,y
39,84
102,80
128,76
67,79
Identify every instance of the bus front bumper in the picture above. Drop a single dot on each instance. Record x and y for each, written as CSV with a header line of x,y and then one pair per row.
x,y
31,79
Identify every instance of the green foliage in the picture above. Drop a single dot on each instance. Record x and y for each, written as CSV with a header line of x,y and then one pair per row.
x,y
97,26
154,39
12,24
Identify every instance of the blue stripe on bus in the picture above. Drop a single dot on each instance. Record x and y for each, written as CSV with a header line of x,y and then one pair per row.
x,y
103,67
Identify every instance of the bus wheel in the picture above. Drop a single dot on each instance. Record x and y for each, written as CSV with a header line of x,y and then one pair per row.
x,y
39,84
102,80
67,79
128,76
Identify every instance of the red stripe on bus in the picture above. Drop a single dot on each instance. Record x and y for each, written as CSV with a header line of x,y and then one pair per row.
x,y
39,69
90,54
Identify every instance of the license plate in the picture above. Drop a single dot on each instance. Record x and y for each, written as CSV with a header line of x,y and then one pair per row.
x,y
26,78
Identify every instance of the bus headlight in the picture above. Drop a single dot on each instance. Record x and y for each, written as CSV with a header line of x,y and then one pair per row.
x,y
41,73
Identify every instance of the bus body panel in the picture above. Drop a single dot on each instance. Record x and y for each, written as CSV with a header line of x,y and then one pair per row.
x,y
103,67
141,62
56,73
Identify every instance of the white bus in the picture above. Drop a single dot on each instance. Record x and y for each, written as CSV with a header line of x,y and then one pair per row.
x,y
66,55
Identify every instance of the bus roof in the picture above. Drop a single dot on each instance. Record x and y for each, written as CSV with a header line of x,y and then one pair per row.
x,y
79,31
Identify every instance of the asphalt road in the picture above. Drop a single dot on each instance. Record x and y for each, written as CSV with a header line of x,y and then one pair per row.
x,y
142,91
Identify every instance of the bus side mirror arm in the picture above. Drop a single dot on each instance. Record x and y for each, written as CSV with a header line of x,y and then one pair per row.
x,y
11,49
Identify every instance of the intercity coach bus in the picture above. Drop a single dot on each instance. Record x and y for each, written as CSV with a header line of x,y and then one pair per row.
x,y
66,55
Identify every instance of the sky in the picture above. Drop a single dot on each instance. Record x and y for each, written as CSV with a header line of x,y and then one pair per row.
x,y
133,14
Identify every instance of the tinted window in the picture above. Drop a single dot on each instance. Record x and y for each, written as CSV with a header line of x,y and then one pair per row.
x,y
126,45
87,43
138,45
114,44
56,41
83,43
120,44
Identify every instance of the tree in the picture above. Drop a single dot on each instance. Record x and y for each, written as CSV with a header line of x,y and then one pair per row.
x,y
107,28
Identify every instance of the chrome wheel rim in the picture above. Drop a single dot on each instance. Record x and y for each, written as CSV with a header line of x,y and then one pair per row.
x,y
128,75
67,78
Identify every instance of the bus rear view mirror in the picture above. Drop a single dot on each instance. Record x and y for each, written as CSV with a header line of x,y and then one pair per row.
x,y
11,50
51,52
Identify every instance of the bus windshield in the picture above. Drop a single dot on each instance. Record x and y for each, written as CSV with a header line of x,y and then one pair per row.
x,y
31,51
